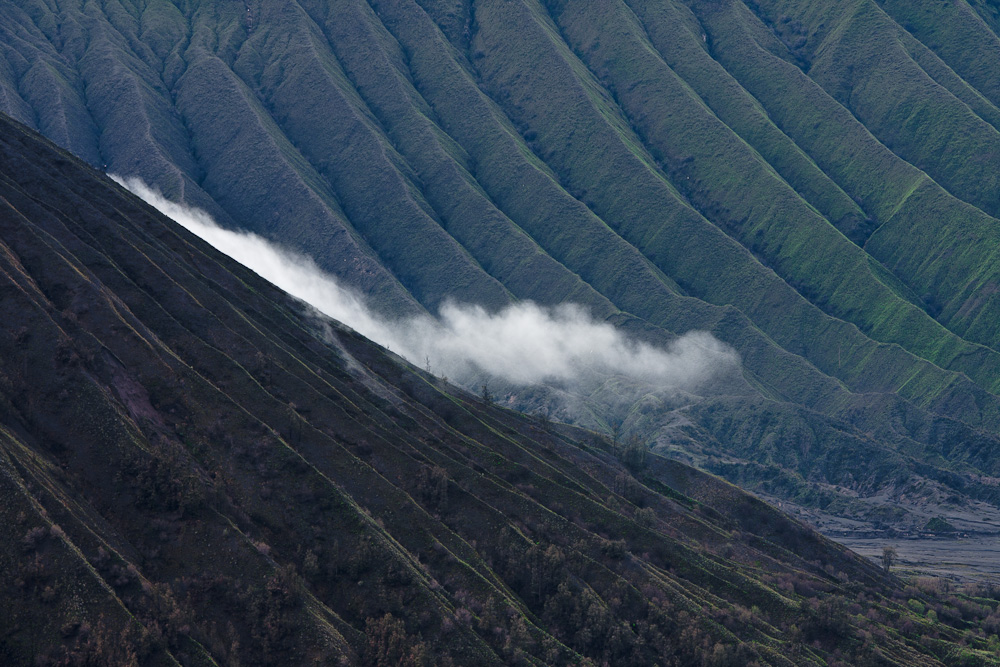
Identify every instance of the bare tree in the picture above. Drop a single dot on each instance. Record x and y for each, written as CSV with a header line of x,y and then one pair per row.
x,y
616,433
889,556
544,419
487,394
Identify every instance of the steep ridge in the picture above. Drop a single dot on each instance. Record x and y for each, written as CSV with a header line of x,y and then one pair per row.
x,y
736,167
198,469
915,244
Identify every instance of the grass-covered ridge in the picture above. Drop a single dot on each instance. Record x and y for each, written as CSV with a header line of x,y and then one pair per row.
x,y
197,469
812,182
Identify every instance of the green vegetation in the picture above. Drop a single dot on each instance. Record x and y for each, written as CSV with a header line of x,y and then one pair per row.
x,y
815,183
194,469
939,525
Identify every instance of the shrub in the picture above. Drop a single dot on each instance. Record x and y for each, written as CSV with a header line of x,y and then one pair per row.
x,y
388,644
645,517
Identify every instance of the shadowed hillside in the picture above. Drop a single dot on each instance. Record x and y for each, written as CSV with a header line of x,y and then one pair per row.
x,y
812,182
198,469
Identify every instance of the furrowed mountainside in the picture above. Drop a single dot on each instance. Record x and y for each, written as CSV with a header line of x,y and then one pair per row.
x,y
814,183
197,469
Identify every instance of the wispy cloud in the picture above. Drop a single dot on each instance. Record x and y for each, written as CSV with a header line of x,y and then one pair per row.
x,y
523,344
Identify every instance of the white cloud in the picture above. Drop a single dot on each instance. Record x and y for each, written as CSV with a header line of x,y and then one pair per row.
x,y
523,344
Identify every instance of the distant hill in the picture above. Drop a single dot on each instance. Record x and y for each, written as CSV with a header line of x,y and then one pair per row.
x,y
197,469
815,183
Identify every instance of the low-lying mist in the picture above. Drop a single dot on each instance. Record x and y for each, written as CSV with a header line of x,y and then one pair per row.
x,y
522,345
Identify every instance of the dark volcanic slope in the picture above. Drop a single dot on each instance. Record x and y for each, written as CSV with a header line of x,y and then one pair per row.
x,y
196,469
813,182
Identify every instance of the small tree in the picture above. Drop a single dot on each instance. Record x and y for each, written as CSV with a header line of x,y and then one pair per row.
x,y
634,454
616,433
889,556
544,419
389,645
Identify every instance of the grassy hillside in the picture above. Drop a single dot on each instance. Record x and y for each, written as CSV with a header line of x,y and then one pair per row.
x,y
198,469
813,183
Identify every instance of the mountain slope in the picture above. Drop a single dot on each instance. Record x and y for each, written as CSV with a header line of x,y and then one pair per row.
x,y
198,469
736,167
